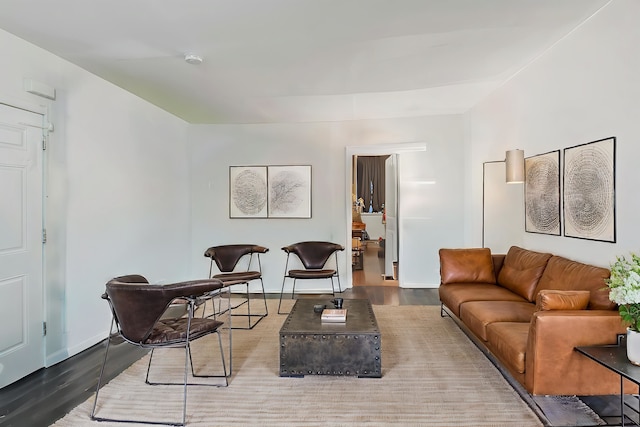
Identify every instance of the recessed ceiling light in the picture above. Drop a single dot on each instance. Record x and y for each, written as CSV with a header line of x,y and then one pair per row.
x,y
192,58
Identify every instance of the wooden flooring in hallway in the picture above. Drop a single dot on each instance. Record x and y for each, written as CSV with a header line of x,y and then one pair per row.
x,y
372,272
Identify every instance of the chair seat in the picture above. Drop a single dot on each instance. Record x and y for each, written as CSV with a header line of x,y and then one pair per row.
x,y
311,274
175,330
238,276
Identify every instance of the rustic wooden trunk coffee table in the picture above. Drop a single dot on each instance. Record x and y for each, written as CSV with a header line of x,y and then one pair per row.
x,y
309,346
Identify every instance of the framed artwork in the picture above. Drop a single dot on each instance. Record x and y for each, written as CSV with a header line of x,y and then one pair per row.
x,y
248,192
542,193
289,189
269,191
589,191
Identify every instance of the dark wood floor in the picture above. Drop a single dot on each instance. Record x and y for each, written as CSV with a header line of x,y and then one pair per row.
x,y
50,393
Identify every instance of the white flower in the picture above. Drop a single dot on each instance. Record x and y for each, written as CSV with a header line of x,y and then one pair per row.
x,y
624,282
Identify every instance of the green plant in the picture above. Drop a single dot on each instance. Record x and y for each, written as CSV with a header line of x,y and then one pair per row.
x,y
624,285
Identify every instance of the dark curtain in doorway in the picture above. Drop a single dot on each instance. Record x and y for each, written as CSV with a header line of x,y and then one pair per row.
x,y
371,171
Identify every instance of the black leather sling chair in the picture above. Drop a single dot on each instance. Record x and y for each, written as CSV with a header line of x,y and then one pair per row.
x,y
139,309
314,256
226,258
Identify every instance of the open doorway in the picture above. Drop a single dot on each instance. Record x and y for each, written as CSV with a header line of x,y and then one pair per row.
x,y
374,234
399,149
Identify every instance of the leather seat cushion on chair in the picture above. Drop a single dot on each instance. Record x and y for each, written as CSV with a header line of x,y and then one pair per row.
x,y
311,274
173,330
240,276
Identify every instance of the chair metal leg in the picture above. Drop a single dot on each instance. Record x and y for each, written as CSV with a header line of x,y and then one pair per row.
x,y
264,297
282,292
226,374
251,324
188,361
104,362
118,420
337,274
146,378
187,357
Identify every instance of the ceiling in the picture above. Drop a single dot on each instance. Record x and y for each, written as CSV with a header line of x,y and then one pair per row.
x,y
276,61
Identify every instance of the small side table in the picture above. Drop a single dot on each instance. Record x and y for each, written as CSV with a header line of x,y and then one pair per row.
x,y
614,358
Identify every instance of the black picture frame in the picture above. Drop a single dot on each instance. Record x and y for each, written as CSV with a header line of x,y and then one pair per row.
x,y
589,190
542,194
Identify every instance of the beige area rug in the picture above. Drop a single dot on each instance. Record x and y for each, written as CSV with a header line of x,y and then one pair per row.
x,y
432,375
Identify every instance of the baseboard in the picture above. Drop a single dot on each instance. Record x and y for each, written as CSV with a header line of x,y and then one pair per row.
x,y
72,351
56,357
414,285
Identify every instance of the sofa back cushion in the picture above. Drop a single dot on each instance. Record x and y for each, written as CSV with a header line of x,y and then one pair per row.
x,y
521,271
565,274
551,299
473,265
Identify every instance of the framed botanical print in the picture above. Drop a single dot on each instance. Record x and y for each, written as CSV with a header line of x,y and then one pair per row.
x,y
289,190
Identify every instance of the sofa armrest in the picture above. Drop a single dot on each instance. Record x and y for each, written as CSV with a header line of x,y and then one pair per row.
x,y
554,367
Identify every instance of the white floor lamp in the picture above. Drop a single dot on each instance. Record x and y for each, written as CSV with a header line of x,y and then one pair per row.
x,y
514,174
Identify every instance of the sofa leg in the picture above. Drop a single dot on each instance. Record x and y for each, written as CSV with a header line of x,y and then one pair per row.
x,y
443,313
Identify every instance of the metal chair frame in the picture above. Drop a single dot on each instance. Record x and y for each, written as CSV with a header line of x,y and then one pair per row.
x,y
287,272
230,278
192,304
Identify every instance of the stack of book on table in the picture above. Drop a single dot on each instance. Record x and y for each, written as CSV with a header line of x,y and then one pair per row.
x,y
334,315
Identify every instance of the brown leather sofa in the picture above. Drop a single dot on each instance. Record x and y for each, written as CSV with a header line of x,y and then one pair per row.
x,y
529,310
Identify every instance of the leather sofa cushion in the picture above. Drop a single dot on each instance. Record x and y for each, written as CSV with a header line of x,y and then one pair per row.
x,y
551,299
473,265
509,341
522,270
454,294
567,275
477,315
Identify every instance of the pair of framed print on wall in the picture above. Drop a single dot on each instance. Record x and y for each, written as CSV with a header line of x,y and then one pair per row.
x,y
588,192
270,191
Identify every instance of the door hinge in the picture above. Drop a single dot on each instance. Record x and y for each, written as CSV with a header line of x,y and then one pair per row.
x,y
44,144
44,328
44,236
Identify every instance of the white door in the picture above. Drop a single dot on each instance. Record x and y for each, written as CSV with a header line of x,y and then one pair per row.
x,y
21,290
391,214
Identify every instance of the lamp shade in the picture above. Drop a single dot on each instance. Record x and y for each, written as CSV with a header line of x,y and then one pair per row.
x,y
514,166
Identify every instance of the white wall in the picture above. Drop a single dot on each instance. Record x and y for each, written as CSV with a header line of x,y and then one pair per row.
x,y
117,199
584,89
431,214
